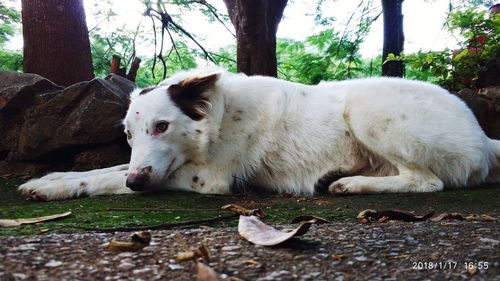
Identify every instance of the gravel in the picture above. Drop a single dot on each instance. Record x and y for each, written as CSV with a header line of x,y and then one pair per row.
x,y
335,251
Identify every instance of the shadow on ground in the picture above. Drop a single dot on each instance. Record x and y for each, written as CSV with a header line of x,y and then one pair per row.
x,y
94,212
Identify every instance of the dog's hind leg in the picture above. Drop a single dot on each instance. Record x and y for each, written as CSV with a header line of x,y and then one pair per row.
x,y
111,181
410,179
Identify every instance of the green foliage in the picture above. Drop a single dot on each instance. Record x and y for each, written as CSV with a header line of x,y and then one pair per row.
x,y
226,57
9,21
11,60
479,53
103,47
481,47
151,72
325,56
432,66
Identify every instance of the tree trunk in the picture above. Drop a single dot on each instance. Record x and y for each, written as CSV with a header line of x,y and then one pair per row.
x,y
56,40
256,23
393,37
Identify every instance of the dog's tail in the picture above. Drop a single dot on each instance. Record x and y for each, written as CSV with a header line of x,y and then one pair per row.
x,y
494,174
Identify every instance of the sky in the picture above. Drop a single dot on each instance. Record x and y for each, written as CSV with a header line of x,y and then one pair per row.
x,y
423,24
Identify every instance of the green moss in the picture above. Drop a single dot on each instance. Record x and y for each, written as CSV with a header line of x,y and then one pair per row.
x,y
93,212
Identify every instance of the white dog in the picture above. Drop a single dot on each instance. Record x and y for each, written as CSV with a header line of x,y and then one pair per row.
x,y
208,129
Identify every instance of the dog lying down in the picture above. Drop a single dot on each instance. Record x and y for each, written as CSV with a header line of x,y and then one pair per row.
x,y
207,130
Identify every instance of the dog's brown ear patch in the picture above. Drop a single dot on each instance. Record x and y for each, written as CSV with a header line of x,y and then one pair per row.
x,y
191,95
146,90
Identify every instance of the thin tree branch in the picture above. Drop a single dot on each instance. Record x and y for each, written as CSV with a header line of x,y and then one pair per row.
x,y
174,46
213,11
154,57
161,226
160,53
163,210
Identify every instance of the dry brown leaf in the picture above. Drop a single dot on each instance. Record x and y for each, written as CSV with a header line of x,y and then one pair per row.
x,y
472,270
251,262
446,216
206,273
482,217
316,220
369,215
184,256
243,211
138,241
17,222
339,257
259,233
201,252
383,219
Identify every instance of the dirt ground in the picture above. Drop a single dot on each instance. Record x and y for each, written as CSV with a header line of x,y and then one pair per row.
x,y
343,249
335,251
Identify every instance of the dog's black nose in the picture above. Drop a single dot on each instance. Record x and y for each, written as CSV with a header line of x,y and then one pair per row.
x,y
137,181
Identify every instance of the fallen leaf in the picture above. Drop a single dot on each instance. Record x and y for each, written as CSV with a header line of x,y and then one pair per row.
x,y
206,273
200,252
17,222
482,217
383,219
446,216
364,221
45,229
369,215
184,256
251,262
259,233
314,219
243,211
203,253
138,241
472,270
142,237
339,257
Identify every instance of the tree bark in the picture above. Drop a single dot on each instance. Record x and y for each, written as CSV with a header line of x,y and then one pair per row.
x,y
56,40
256,23
393,37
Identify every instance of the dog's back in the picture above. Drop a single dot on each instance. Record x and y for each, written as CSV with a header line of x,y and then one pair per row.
x,y
378,127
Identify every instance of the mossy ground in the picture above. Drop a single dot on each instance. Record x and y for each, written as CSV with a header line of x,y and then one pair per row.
x,y
93,212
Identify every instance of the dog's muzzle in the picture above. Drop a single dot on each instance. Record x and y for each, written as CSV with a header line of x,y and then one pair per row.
x,y
137,181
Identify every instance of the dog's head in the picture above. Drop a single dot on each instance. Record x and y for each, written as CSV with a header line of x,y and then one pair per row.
x,y
166,127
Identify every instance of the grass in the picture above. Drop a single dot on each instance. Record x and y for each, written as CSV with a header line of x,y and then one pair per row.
x,y
93,212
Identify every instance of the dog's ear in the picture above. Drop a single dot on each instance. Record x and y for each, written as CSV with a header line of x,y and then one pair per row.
x,y
192,95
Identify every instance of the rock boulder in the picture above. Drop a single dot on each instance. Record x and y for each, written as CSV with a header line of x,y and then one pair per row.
x,y
46,127
485,103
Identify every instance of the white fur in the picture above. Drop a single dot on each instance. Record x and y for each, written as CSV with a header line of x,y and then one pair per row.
x,y
378,134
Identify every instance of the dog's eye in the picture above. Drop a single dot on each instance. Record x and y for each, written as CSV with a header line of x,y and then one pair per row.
x,y
129,135
161,126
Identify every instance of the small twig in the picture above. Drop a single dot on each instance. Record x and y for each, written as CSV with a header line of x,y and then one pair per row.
x,y
155,41
160,53
174,46
213,11
162,209
222,57
160,226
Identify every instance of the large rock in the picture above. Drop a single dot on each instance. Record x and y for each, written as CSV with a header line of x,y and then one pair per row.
x,y
485,103
49,127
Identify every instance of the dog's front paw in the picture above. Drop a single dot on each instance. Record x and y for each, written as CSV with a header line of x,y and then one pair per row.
x,y
47,190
